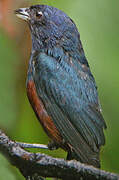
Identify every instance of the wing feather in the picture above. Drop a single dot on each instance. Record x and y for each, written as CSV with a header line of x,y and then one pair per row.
x,y
70,97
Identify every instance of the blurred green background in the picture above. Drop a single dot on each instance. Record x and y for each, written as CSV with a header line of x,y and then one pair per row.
x,y
98,23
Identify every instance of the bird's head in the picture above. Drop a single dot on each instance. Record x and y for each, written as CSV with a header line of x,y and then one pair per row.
x,y
48,25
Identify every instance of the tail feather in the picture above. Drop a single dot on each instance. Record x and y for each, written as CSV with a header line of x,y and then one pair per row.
x,y
92,160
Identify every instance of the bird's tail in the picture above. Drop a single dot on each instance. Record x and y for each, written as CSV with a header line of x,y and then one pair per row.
x,y
92,160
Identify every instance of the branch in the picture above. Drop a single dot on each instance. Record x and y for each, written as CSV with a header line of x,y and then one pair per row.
x,y
34,165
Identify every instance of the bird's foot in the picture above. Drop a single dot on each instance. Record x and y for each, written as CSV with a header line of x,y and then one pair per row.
x,y
52,145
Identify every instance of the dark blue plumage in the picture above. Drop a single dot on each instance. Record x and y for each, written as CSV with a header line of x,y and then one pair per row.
x,y
64,84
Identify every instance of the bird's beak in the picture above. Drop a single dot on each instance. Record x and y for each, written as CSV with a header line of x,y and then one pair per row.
x,y
22,13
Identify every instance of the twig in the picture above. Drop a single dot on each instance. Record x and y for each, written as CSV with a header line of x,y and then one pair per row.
x,y
27,145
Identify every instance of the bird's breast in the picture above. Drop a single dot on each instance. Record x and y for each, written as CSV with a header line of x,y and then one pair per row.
x,y
41,113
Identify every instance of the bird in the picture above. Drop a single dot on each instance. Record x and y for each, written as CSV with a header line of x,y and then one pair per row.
x,y
60,86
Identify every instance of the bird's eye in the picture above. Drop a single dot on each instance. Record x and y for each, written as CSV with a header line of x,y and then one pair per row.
x,y
39,14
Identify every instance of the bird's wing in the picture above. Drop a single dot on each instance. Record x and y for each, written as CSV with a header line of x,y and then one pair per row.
x,y
70,97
